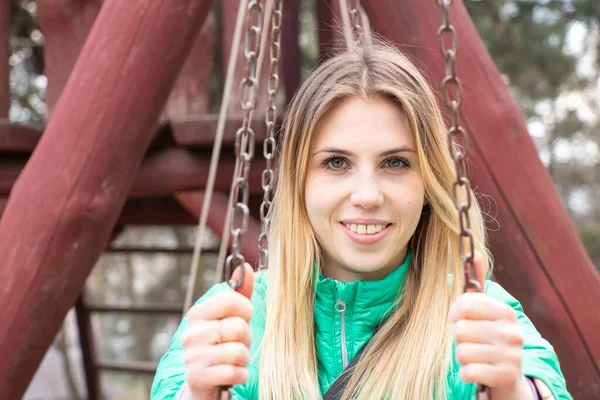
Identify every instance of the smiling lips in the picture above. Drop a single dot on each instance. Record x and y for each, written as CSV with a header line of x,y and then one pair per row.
x,y
365,231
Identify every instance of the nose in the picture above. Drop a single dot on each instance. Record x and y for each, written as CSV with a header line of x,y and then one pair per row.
x,y
367,193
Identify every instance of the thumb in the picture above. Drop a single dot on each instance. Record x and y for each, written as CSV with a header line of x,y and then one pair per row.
x,y
248,284
479,271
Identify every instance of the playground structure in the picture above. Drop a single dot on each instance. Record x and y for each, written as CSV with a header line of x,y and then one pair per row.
x,y
128,143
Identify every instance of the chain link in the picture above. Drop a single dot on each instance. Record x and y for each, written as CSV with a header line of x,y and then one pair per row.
x,y
269,144
354,11
457,145
244,149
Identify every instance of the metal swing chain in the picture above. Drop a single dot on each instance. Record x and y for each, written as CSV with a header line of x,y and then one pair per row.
x,y
244,141
269,143
457,135
354,11
244,149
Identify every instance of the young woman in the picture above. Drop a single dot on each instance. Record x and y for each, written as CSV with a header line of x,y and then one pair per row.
x,y
363,243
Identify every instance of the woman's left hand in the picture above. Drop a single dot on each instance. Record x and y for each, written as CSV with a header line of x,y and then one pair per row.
x,y
489,344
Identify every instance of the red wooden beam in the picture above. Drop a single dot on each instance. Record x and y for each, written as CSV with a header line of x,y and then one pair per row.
x,y
10,169
200,131
174,170
196,131
5,20
538,255
162,173
192,201
18,138
67,200
155,211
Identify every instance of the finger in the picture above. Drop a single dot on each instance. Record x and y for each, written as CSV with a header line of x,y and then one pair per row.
x,y
232,329
488,332
222,305
543,390
232,353
478,353
248,280
492,376
200,333
479,306
201,379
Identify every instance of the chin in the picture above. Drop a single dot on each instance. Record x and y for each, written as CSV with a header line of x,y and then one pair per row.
x,y
367,264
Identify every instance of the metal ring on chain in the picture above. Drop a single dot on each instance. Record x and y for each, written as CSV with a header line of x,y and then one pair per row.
x,y
269,146
247,153
266,179
355,23
444,32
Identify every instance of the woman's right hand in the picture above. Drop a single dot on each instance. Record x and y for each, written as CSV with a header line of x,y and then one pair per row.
x,y
216,343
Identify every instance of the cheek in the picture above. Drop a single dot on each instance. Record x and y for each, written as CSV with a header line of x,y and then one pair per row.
x,y
319,201
409,201
311,199
409,211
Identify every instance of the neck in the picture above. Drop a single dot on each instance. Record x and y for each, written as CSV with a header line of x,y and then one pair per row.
x,y
344,273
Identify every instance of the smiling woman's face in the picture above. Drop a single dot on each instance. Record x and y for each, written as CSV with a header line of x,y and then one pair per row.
x,y
364,192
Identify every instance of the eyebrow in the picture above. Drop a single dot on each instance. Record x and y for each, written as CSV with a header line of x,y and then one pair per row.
x,y
349,153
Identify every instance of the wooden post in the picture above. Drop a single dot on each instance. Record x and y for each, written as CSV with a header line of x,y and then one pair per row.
x,y
88,353
65,203
538,255
190,95
330,28
5,20
66,25
291,65
86,338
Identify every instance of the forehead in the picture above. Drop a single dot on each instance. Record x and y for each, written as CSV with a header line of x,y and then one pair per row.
x,y
363,123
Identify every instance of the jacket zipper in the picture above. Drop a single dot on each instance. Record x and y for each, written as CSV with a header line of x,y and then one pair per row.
x,y
340,307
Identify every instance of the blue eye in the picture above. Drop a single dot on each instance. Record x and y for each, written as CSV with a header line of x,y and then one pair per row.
x,y
397,163
335,163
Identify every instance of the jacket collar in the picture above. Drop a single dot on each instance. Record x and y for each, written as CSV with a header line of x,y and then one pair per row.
x,y
371,301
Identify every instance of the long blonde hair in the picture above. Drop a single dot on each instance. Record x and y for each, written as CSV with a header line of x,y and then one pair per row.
x,y
420,325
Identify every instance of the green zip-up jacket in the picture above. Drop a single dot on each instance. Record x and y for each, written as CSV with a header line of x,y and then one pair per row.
x,y
346,314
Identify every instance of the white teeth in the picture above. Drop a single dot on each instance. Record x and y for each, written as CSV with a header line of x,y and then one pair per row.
x,y
365,229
